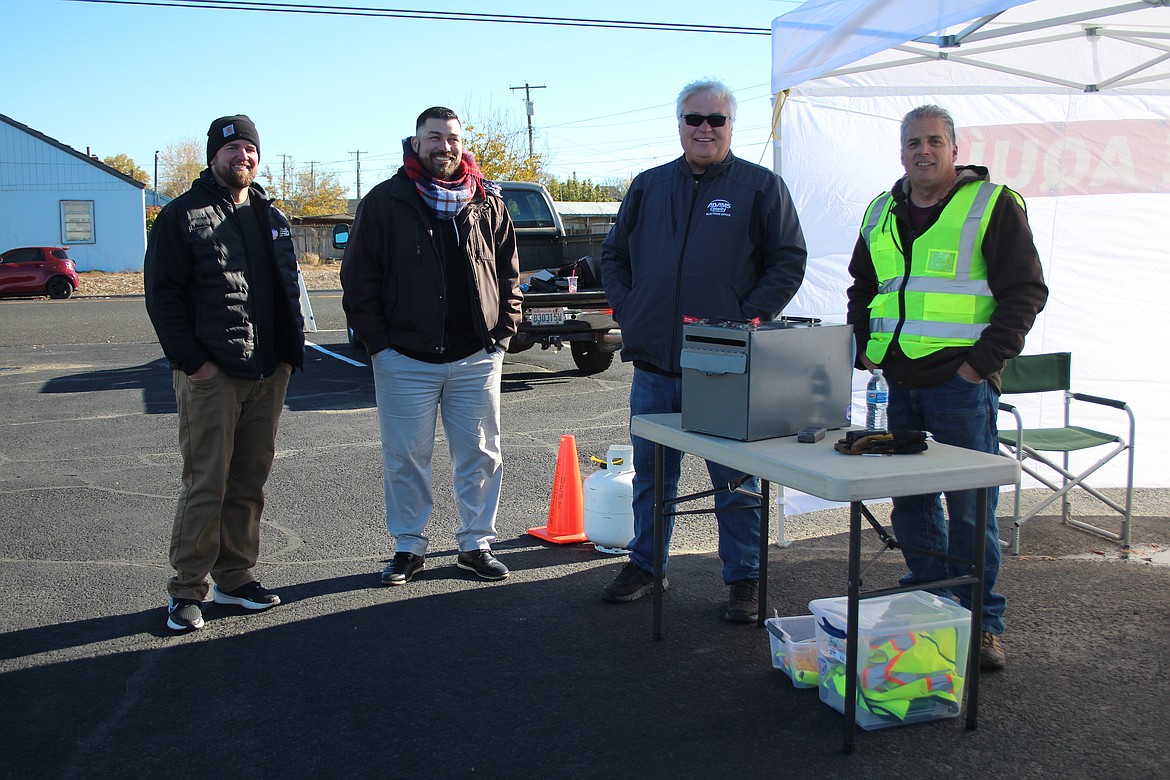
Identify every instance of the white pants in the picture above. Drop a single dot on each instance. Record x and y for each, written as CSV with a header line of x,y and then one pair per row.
x,y
410,395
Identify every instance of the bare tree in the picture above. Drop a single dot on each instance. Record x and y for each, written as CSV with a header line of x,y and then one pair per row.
x,y
500,148
179,164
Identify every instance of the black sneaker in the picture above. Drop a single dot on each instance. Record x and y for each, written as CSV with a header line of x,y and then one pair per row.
x,y
743,602
632,583
483,563
184,614
401,568
250,596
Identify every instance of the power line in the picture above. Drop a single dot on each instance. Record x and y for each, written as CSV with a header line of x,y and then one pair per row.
x,y
459,16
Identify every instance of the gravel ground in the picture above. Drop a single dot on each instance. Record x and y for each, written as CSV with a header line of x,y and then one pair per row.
x,y
99,284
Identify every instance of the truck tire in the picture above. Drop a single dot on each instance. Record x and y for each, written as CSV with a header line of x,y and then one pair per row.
x,y
589,357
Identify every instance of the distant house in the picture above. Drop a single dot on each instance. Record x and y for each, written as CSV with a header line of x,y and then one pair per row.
x,y
54,195
587,217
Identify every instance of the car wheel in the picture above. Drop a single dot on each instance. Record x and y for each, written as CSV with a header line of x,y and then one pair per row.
x,y
589,357
59,288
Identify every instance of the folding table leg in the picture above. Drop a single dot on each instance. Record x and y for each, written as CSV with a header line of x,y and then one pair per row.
x,y
764,518
978,569
851,628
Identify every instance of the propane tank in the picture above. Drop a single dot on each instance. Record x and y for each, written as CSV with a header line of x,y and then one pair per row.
x,y
609,502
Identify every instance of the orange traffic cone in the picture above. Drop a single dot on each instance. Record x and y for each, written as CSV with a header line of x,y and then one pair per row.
x,y
566,513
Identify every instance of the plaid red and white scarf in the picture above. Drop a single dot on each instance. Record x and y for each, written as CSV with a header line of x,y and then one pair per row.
x,y
446,198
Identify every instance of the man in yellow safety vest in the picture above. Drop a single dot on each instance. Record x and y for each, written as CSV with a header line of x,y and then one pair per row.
x,y
946,284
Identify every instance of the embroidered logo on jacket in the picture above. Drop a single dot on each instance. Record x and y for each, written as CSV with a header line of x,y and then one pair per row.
x,y
719,208
281,233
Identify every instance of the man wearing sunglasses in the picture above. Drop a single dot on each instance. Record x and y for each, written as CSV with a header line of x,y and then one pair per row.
x,y
712,236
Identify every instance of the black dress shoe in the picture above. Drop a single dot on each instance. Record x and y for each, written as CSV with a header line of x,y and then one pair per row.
x,y
483,563
402,568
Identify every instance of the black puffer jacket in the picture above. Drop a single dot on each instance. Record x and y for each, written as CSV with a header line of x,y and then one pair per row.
x,y
196,279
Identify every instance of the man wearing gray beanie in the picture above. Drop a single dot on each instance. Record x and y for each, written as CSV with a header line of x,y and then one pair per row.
x,y
223,294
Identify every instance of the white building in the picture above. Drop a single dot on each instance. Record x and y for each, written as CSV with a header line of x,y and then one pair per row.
x,y
53,195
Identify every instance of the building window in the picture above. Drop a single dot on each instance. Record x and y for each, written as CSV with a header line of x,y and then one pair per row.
x,y
77,222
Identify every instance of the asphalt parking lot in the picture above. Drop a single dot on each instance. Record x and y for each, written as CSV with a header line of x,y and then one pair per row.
x,y
453,677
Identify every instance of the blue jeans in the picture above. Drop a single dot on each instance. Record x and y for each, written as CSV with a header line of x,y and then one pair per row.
x,y
739,526
963,414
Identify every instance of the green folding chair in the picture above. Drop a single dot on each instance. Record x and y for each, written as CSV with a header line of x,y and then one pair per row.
x,y
1043,453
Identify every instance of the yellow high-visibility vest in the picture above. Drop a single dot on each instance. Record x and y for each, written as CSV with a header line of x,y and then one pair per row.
x,y
943,301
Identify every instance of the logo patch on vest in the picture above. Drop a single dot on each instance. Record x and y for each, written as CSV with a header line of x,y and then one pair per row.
x,y
941,262
719,208
281,233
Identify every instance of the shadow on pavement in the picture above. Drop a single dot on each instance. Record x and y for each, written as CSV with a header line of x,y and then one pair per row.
x,y
536,677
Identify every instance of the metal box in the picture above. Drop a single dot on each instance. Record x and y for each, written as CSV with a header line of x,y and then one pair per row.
x,y
771,380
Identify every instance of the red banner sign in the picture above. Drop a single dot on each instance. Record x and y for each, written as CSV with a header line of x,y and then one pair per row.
x,y
1073,158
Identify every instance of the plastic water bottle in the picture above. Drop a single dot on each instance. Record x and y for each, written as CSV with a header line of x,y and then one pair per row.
x,y
877,400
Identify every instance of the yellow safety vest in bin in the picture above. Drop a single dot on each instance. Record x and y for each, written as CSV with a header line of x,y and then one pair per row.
x,y
906,672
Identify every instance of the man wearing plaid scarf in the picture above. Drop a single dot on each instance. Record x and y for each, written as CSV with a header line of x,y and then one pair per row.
x,y
432,289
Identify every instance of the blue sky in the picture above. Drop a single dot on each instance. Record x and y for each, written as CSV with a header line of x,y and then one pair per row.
x,y
133,79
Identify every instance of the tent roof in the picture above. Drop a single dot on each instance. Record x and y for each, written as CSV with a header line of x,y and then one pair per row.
x,y
1009,46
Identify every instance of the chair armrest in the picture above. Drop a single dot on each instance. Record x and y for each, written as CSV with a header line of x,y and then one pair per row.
x,y
1096,399
1018,451
1114,404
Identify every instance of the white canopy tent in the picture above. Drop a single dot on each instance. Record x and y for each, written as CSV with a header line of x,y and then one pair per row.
x,y
1066,101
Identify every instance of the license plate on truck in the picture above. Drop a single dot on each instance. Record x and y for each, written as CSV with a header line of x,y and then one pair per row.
x,y
546,317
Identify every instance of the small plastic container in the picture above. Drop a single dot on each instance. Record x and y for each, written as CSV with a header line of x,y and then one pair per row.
x,y
912,659
793,643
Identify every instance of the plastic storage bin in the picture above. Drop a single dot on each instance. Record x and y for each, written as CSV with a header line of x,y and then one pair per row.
x,y
912,658
793,642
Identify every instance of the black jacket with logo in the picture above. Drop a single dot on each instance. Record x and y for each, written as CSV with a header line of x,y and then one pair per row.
x,y
727,246
196,276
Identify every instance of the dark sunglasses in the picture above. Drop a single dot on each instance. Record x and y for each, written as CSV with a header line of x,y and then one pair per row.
x,y
697,120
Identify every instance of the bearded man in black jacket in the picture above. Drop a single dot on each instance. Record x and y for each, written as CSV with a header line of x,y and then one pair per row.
x,y
223,293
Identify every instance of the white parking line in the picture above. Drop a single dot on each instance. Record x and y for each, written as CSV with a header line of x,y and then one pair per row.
x,y
331,353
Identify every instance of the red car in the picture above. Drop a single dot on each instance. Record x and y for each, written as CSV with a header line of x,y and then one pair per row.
x,y
38,270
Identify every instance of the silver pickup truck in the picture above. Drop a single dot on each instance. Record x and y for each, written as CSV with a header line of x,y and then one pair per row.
x,y
564,302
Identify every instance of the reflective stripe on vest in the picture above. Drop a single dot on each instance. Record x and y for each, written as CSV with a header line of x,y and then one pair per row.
x,y
946,297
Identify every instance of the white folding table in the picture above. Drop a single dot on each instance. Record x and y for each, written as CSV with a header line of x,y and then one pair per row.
x,y
819,470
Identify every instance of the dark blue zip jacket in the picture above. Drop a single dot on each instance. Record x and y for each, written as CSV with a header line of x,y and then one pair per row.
x,y
727,246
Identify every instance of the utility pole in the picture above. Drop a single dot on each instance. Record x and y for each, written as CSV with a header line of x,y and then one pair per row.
x,y
283,176
528,110
155,195
359,154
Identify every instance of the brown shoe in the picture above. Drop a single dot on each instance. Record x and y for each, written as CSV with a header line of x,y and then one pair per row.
x,y
991,654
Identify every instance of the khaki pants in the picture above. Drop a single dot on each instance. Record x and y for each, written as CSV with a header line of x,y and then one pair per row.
x,y
227,435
